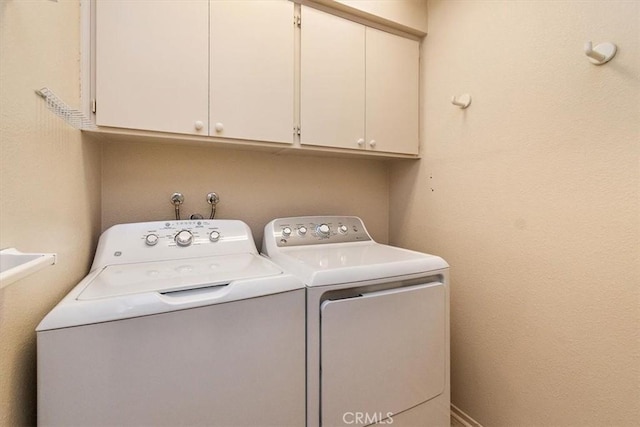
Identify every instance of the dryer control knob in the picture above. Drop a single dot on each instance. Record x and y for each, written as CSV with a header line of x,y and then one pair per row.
x,y
151,239
286,232
323,230
184,238
214,236
343,229
302,230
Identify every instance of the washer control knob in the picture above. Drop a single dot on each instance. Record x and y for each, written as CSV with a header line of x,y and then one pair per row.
x,y
214,236
184,238
343,229
151,239
323,230
302,231
286,232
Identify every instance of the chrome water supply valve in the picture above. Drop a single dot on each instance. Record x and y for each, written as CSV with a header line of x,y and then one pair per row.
x,y
177,199
213,199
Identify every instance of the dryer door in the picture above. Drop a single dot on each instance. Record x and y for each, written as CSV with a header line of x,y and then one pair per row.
x,y
381,353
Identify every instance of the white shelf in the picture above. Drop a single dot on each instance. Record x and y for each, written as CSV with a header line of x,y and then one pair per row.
x,y
15,265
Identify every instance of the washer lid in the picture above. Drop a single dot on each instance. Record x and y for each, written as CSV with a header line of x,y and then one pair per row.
x,y
176,275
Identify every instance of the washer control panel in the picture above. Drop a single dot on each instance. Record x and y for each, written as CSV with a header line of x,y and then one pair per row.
x,y
182,233
159,240
314,230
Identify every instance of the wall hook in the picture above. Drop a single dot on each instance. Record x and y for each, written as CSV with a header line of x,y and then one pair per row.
x,y
463,101
601,54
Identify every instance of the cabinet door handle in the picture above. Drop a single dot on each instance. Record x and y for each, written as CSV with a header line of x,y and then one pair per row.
x,y
372,143
198,125
219,127
360,142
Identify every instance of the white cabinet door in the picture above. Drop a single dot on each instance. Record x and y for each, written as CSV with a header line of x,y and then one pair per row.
x,y
252,70
332,80
392,95
152,65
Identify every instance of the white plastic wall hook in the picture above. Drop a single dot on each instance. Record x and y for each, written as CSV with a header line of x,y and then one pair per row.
x,y
601,54
463,101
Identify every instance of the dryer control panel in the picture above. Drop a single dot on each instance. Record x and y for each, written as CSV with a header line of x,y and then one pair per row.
x,y
315,230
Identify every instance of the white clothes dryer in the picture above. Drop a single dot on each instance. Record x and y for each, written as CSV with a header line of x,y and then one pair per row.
x,y
177,323
377,324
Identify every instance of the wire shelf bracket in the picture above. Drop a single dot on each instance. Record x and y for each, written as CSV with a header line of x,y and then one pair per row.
x,y
73,117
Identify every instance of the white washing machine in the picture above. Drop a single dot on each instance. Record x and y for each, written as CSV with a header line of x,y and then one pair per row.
x,y
177,323
377,324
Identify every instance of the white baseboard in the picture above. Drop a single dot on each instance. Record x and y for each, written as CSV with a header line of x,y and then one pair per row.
x,y
463,418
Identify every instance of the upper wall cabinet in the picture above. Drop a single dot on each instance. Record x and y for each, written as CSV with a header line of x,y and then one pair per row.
x,y
258,72
222,68
359,86
152,65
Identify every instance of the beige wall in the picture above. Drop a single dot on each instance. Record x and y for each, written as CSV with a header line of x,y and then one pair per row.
x,y
49,184
532,194
255,187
